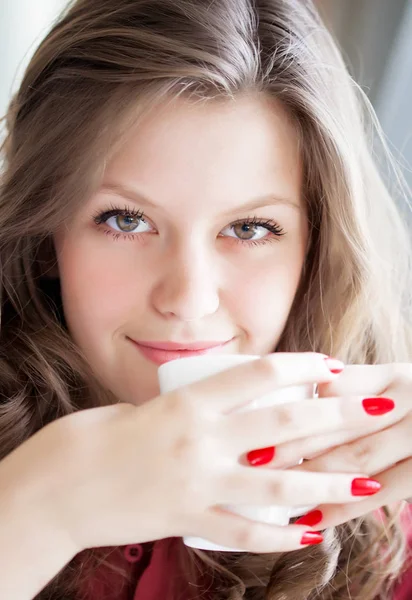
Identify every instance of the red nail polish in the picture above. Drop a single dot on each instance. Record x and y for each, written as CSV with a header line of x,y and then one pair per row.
x,y
335,366
261,456
363,486
378,406
311,538
311,518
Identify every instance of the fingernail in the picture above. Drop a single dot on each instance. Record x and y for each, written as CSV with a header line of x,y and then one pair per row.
x,y
311,518
261,456
311,538
362,486
378,406
334,365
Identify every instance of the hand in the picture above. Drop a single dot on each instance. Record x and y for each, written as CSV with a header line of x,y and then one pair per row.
x,y
383,450
123,474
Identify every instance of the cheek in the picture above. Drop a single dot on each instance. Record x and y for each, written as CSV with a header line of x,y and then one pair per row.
x,y
265,293
99,287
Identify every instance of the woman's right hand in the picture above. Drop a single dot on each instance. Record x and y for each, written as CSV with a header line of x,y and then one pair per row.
x,y
125,474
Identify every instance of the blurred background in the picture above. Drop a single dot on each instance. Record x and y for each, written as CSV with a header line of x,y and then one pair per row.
x,y
375,37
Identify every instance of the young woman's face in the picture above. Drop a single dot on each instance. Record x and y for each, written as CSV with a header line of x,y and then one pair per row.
x,y
188,269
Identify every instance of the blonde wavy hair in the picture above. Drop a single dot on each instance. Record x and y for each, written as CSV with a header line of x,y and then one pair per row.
x,y
103,64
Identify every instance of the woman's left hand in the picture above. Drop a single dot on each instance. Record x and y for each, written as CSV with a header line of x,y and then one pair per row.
x,y
383,451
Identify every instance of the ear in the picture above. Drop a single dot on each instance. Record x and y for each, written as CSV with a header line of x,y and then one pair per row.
x,y
46,259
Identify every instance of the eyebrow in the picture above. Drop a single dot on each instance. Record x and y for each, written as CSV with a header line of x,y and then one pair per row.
x,y
260,202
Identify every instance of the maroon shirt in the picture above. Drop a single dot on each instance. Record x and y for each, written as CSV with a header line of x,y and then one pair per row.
x,y
157,576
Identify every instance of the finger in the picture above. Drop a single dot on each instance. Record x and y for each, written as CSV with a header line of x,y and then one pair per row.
x,y
396,485
312,446
287,455
296,420
228,529
364,379
244,485
240,385
371,454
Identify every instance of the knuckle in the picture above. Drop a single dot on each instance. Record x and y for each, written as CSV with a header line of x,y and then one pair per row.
x,y
173,404
184,447
284,416
181,404
358,455
191,445
244,536
275,489
194,450
183,401
268,368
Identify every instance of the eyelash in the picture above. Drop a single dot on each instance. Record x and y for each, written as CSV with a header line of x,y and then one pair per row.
x,y
101,217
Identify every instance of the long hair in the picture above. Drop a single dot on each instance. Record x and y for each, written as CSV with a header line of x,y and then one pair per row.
x,y
101,66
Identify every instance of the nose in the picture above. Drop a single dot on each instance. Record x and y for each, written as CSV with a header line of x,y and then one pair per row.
x,y
187,287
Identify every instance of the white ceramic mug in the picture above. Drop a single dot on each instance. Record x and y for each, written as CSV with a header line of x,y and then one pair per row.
x,y
183,371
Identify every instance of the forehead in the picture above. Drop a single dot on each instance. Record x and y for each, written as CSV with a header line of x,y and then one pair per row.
x,y
217,151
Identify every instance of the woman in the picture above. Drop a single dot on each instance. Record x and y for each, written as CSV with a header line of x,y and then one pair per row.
x,y
228,141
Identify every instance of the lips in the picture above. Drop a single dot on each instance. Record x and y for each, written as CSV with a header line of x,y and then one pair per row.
x,y
173,350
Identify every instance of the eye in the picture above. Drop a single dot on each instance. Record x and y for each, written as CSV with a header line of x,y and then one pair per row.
x,y
255,230
126,223
123,221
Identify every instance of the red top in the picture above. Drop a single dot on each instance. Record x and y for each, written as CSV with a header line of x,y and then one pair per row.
x,y
157,576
